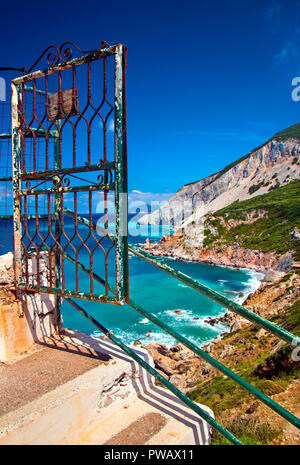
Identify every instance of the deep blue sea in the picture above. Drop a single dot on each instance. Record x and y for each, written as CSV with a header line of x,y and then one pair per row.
x,y
154,290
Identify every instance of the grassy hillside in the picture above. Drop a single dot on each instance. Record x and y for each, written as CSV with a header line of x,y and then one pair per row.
x,y
270,233
269,370
292,132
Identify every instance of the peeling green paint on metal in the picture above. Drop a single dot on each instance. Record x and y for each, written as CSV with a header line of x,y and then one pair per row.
x,y
16,184
57,172
121,188
68,293
67,65
65,190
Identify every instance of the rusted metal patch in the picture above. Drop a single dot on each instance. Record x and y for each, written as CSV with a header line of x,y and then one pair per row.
x,y
63,104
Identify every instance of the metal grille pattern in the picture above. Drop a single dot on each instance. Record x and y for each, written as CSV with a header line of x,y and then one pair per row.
x,y
5,160
69,150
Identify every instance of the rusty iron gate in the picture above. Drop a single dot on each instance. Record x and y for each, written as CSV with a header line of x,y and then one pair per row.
x,y
69,125
69,150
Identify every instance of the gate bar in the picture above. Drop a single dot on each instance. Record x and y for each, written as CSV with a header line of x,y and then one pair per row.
x,y
106,51
16,183
121,197
30,132
74,169
64,189
58,231
68,293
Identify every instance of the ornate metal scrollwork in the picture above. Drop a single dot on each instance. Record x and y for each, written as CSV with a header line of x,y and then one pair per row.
x,y
61,181
55,55
106,178
31,188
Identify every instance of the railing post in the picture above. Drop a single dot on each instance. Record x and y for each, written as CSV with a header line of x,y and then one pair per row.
x,y
121,189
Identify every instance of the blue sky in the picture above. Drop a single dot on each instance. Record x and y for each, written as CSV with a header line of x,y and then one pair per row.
x,y
207,81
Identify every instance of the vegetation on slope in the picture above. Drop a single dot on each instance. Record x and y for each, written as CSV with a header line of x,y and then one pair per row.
x,y
292,132
272,232
271,371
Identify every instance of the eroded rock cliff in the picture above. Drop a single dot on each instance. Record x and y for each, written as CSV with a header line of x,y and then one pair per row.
x,y
275,163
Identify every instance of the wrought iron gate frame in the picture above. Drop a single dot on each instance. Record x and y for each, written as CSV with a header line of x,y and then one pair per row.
x,y
119,166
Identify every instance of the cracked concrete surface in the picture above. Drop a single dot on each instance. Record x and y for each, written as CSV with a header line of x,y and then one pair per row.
x,y
89,391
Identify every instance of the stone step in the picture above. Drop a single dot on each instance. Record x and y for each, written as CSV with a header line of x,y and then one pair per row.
x,y
85,390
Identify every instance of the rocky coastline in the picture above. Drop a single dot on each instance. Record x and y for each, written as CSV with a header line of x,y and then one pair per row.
x,y
180,365
233,256
243,344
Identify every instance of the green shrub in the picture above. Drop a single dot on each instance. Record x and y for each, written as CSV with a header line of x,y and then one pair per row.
x,y
255,187
249,431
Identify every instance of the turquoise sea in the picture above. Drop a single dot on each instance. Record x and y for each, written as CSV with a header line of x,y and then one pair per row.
x,y
158,293
163,295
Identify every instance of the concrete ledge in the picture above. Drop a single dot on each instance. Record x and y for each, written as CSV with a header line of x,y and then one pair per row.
x,y
15,335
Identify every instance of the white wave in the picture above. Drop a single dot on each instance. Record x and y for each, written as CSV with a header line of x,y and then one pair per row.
x,y
253,283
189,318
160,336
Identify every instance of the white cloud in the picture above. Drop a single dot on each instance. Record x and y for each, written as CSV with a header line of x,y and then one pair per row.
x,y
111,125
149,197
272,11
287,51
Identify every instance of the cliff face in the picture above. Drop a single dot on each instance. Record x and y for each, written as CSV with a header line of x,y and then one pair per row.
x,y
275,163
260,233
230,256
247,215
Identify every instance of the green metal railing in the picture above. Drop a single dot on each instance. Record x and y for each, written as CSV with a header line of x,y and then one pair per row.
x,y
280,332
215,424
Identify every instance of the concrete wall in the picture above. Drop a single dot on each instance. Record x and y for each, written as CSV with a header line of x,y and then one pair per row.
x,y
24,322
